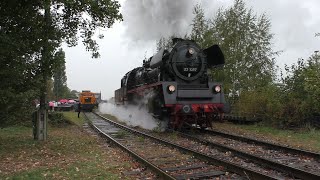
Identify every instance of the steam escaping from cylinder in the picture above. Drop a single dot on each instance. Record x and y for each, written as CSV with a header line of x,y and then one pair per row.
x,y
133,115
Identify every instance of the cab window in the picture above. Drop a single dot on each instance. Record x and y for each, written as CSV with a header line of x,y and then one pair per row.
x,y
87,100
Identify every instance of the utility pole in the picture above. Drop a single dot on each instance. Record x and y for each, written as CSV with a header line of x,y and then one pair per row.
x,y
42,121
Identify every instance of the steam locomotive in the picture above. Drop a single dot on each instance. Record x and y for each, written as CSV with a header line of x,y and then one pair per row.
x,y
174,84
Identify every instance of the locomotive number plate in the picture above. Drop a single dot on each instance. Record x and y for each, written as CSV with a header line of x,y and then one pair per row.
x,y
190,69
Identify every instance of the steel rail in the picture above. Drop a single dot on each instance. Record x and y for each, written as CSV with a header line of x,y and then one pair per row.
x,y
276,146
251,174
157,170
296,172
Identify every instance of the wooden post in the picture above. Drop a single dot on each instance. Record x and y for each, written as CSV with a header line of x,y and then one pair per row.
x,y
42,125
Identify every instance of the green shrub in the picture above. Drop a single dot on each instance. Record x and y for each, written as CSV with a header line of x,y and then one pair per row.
x,y
261,104
57,119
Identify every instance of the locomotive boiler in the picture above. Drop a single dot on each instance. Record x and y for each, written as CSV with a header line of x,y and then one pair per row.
x,y
174,84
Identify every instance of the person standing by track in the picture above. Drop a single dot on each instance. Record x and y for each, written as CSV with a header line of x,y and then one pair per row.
x,y
79,109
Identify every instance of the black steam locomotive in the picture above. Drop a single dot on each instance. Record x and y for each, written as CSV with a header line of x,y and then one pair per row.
x,y
174,84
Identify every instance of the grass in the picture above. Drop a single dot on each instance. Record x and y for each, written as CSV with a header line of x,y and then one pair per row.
x,y
121,134
141,139
74,171
69,153
173,135
308,139
73,117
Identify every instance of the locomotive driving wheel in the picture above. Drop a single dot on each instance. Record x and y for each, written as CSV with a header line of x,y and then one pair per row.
x,y
155,105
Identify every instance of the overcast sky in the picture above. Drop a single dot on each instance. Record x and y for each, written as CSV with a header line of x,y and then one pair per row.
x,y
124,46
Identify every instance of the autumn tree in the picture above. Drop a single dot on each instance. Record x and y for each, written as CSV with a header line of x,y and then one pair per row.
x,y
64,19
164,43
246,42
19,52
73,94
60,89
199,26
49,92
32,31
312,82
301,91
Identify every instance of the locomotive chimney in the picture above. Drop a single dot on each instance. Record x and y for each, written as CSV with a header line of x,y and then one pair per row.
x,y
176,40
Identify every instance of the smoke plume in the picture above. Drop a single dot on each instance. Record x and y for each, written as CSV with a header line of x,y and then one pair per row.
x,y
151,19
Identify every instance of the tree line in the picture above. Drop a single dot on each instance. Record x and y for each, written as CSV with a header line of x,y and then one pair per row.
x,y
31,34
249,75
33,63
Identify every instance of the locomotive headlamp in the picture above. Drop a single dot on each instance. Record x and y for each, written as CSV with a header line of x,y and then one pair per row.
x,y
171,88
191,51
217,89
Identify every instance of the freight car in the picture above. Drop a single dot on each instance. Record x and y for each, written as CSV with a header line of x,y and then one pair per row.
x,y
88,100
174,84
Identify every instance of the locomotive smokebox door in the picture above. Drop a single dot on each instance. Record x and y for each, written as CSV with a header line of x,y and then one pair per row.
x,y
215,56
187,61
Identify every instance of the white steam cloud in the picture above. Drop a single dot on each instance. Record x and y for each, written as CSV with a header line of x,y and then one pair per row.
x,y
132,116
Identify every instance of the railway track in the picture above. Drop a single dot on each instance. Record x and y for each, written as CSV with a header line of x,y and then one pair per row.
x,y
221,159
266,144
271,161
240,119
297,163
167,159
